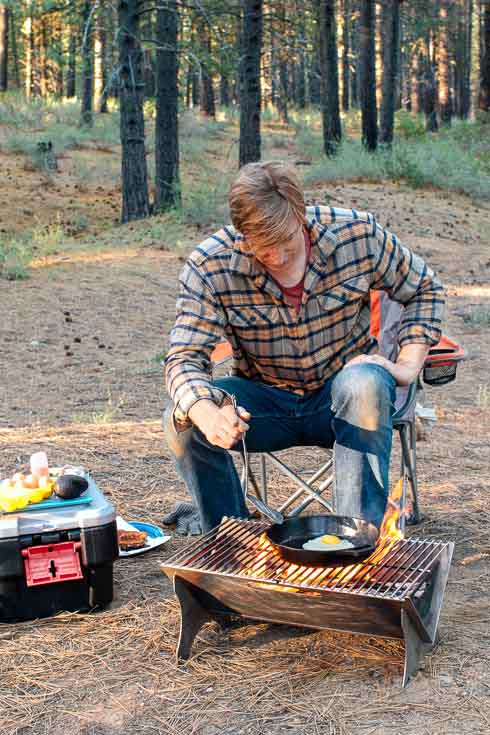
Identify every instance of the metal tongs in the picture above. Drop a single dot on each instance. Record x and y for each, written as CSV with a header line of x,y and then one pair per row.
x,y
259,504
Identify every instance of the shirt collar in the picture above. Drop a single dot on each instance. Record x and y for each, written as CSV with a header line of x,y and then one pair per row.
x,y
323,243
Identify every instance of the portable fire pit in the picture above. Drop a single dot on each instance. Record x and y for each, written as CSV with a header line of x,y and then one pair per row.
x,y
233,571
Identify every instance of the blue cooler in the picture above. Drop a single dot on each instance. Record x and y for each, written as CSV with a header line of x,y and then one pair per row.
x,y
57,556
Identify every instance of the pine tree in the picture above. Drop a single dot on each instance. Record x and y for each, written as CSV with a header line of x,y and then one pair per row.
x,y
250,92
368,76
167,184
135,201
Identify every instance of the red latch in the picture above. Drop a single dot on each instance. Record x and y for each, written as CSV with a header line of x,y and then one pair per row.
x,y
52,563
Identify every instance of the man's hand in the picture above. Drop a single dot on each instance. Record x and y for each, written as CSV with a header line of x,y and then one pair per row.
x,y
407,367
220,425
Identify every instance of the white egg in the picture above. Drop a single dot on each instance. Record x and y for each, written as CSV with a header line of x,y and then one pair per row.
x,y
316,544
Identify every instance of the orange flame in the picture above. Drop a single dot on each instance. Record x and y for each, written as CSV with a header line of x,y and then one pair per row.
x,y
390,528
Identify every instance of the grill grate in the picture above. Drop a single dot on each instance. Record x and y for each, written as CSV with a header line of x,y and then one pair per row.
x,y
238,549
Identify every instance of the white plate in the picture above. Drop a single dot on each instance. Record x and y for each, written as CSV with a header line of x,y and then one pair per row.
x,y
155,536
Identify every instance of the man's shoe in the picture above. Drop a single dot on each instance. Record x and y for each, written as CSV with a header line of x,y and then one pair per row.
x,y
186,518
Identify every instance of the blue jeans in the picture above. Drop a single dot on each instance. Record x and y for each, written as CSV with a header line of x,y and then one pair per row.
x,y
352,412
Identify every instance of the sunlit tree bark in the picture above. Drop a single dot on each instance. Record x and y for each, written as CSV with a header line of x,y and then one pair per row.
x,y
445,98
4,45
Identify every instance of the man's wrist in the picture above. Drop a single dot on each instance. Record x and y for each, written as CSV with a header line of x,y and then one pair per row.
x,y
202,410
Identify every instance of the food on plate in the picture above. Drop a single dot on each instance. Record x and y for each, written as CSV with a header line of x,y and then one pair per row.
x,y
129,540
328,542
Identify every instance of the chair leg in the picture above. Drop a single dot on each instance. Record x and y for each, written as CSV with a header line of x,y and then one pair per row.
x,y
407,440
414,484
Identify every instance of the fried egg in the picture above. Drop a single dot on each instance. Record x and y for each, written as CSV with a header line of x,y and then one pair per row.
x,y
327,543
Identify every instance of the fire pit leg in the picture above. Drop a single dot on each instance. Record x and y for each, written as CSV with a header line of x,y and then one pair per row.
x,y
192,617
414,648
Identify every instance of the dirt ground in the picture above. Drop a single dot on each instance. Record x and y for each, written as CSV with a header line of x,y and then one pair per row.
x,y
81,341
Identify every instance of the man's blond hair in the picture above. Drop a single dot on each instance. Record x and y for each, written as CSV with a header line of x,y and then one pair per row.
x,y
264,197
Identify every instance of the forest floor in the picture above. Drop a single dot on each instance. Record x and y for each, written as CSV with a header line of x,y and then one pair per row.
x,y
81,344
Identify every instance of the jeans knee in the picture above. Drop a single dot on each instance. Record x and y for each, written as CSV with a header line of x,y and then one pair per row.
x,y
364,391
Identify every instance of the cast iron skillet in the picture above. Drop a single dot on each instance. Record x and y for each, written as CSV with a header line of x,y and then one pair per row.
x,y
289,535
288,538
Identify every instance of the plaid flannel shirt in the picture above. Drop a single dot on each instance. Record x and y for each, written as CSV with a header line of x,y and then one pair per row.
x,y
226,293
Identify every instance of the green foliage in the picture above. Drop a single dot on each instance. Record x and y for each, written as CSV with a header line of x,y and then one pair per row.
x,y
409,126
15,256
18,251
483,397
477,317
457,159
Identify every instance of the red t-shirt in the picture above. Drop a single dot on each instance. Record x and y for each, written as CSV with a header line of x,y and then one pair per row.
x,y
294,294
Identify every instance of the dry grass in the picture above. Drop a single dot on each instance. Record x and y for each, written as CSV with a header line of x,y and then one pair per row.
x,y
113,672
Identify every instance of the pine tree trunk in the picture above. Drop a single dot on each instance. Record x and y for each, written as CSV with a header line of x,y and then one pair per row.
x,y
314,85
378,50
103,36
484,99
475,57
58,62
250,92
345,56
149,70
71,72
282,58
355,76
415,82
430,98
332,130
466,81
445,101
208,106
301,65
195,74
15,53
29,51
86,113
4,45
99,44
43,61
135,202
391,42
368,75
167,183
274,62
224,89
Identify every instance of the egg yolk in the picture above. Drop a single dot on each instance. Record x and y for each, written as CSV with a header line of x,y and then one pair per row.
x,y
330,540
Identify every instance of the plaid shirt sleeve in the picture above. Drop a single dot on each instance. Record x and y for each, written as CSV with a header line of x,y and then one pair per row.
x,y
409,280
197,329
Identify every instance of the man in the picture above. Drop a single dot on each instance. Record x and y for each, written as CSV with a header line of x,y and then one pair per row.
x,y
289,287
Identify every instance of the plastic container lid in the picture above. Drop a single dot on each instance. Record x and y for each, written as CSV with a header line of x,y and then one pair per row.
x,y
98,512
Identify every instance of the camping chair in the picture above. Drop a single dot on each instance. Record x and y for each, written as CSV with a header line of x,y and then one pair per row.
x,y
439,368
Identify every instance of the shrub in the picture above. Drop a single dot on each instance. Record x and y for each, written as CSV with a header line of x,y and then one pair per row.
x,y
15,256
